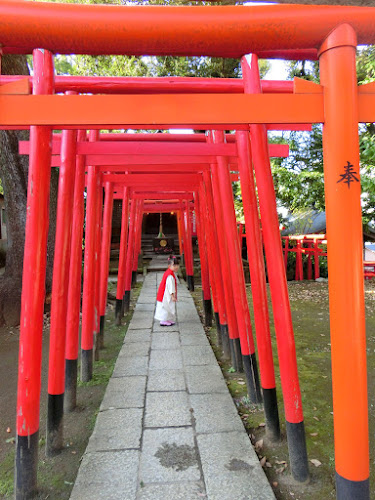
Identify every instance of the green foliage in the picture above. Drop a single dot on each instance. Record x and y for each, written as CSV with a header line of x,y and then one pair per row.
x,y
299,181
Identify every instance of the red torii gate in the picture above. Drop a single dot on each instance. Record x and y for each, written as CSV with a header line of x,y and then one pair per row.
x,y
332,35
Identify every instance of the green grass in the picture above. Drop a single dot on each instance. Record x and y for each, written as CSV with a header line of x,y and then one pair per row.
x,y
56,475
6,474
310,313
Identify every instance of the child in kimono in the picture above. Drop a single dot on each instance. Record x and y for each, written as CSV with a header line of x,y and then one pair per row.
x,y
167,294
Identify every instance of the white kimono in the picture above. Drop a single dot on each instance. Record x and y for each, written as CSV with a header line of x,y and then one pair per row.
x,y
166,310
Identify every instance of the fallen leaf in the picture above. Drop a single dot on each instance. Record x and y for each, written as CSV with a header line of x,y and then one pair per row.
x,y
268,465
8,430
241,383
263,461
275,483
280,462
313,433
315,462
262,424
279,470
259,445
316,418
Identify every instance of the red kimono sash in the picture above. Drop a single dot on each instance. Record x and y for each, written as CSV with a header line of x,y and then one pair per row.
x,y
163,282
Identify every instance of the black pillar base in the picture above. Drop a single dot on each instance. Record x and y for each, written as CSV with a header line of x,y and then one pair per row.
x,y
101,332
190,282
207,306
25,481
297,452
54,438
86,365
96,346
126,301
249,376
134,278
347,489
225,341
233,356
272,414
218,328
70,394
254,365
238,355
118,312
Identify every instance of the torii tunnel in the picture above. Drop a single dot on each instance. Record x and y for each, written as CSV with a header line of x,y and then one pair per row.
x,y
192,174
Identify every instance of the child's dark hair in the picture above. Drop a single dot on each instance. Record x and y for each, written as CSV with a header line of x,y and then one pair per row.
x,y
173,260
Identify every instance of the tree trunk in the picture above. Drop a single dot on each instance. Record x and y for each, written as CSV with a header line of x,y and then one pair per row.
x,y
13,173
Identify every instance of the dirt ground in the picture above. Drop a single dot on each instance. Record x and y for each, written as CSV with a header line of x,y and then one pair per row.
x,y
55,475
309,305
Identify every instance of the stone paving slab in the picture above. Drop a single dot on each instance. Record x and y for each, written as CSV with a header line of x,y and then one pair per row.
x,y
215,413
126,392
168,427
125,367
138,336
193,355
205,380
167,340
167,409
148,307
169,455
131,349
195,339
118,429
107,476
166,380
176,491
231,469
166,359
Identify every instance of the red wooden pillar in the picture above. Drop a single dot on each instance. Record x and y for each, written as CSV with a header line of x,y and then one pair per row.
x,y
105,256
98,239
181,250
59,304
309,260
33,289
215,265
247,347
189,256
122,257
129,255
345,262
316,260
299,262
279,289
202,247
286,251
88,298
183,233
138,242
258,285
74,292
226,268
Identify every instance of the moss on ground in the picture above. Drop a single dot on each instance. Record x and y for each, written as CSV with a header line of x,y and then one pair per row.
x,y
56,475
309,306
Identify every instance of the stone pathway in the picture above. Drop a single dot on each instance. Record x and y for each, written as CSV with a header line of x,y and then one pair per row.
x,y
168,427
